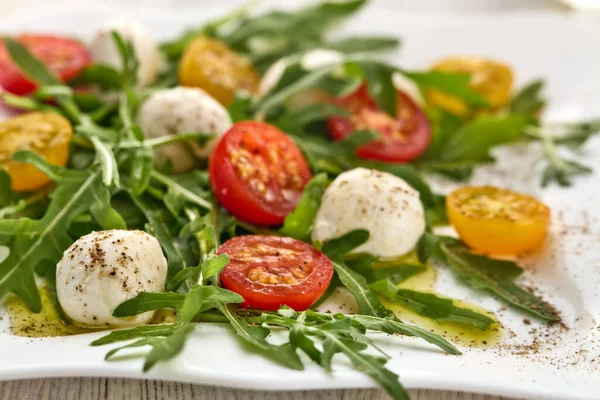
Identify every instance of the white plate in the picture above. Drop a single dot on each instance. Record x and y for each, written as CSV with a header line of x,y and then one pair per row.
x,y
567,271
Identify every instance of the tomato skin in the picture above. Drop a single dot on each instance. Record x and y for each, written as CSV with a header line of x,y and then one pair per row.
x,y
258,173
213,66
64,57
404,137
302,272
498,221
48,134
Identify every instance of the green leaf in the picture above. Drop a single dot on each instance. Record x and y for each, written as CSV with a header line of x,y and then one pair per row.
x,y
106,158
142,165
214,266
473,141
358,138
298,120
380,85
361,44
158,225
106,216
337,248
357,285
299,222
138,331
451,83
31,66
7,196
98,74
162,348
392,326
432,306
562,170
36,70
201,298
496,276
239,110
255,337
370,365
394,273
528,100
179,189
144,302
33,241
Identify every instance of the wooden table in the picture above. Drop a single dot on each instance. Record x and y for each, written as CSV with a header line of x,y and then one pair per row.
x,y
129,389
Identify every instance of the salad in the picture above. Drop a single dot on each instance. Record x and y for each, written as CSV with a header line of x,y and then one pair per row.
x,y
248,170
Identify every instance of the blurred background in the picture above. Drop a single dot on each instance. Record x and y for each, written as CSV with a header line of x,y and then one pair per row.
x,y
436,6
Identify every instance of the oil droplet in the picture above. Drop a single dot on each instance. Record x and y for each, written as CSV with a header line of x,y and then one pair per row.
x,y
463,335
46,323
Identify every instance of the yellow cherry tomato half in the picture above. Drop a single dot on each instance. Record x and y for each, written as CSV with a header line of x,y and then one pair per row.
x,y
491,79
47,134
211,65
497,221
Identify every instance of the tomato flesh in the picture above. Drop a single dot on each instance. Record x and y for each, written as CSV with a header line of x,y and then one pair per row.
x,y
64,57
258,173
404,136
273,271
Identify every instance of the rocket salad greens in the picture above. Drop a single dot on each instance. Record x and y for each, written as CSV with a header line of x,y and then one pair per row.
x,y
317,170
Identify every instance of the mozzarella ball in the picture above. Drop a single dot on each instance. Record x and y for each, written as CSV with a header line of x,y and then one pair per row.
x,y
104,51
385,205
182,110
102,270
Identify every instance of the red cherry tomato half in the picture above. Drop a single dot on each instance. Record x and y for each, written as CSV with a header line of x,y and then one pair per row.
x,y
64,57
258,173
272,271
403,137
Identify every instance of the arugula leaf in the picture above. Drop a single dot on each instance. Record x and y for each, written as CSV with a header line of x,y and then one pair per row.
x,y
394,273
473,141
163,349
33,241
496,276
381,86
358,138
432,306
255,337
180,190
368,303
337,248
138,331
362,44
144,302
528,100
98,74
201,298
298,120
451,83
214,266
36,70
392,326
158,225
337,339
298,223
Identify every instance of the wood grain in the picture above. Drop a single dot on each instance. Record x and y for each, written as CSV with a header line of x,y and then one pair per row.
x,y
129,389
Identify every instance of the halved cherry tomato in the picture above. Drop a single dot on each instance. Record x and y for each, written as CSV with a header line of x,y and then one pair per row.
x,y
258,173
272,271
47,134
211,65
404,136
491,79
64,57
498,221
